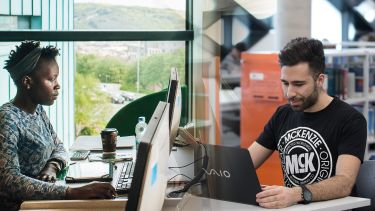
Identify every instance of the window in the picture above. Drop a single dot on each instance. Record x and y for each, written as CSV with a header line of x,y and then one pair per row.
x,y
110,75
101,51
323,28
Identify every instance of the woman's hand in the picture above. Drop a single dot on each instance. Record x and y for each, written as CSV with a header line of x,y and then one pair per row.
x,y
95,190
48,173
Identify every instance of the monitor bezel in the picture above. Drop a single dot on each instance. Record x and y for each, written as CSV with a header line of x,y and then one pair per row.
x,y
174,98
157,124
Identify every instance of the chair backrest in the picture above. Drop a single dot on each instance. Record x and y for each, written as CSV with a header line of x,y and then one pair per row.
x,y
365,184
127,117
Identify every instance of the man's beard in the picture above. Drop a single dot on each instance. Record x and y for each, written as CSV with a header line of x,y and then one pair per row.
x,y
308,101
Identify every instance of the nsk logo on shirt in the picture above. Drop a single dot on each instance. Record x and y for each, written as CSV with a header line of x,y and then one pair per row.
x,y
305,157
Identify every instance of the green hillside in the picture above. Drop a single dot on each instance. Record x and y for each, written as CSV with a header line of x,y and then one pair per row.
x,y
95,16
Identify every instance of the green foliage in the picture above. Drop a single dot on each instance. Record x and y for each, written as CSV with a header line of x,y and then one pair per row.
x,y
129,80
106,69
86,131
86,64
91,105
155,70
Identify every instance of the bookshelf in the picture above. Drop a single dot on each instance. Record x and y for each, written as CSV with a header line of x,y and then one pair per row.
x,y
351,76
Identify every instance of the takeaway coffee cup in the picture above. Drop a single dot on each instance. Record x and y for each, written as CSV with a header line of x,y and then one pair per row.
x,y
109,141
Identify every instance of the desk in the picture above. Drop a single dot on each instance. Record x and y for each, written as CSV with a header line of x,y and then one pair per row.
x,y
188,202
192,203
116,170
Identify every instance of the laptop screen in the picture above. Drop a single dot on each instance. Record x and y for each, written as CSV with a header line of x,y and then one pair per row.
x,y
230,175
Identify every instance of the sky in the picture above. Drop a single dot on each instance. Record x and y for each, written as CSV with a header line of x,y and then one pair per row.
x,y
172,4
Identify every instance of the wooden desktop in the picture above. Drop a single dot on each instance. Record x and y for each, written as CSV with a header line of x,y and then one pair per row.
x,y
188,202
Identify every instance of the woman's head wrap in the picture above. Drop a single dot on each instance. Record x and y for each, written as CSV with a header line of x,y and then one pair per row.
x,y
26,65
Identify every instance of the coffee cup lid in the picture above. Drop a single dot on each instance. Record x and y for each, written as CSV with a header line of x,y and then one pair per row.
x,y
109,130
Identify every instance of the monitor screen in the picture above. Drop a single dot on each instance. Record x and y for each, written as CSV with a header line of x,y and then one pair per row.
x,y
150,172
175,104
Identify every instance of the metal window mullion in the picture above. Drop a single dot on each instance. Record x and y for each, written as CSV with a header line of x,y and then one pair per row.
x,y
12,36
189,59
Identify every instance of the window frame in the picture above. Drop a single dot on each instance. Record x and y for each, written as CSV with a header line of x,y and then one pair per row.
x,y
95,35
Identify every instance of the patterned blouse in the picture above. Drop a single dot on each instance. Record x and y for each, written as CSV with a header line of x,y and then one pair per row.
x,y
27,143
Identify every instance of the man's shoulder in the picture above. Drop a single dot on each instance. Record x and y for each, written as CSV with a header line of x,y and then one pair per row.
x,y
284,109
282,112
345,109
346,114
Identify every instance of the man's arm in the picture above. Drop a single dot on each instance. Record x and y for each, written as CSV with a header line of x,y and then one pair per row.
x,y
341,184
338,186
259,154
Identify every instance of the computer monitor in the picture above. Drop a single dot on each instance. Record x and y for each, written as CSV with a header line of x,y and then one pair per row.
x,y
150,172
175,104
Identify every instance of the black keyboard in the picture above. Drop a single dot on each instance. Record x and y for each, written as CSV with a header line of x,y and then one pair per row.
x,y
125,178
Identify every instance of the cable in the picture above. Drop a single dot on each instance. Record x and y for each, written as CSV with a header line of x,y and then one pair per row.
x,y
196,179
179,175
181,144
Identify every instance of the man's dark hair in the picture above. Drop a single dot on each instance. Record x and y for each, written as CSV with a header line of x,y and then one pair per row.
x,y
240,46
15,56
303,49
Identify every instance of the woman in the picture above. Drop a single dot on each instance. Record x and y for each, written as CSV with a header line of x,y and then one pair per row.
x,y
30,152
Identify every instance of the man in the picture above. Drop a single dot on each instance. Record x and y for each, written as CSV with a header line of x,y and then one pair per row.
x,y
231,64
321,139
31,154
230,67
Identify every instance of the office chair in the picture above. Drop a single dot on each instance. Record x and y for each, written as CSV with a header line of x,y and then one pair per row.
x,y
365,184
127,117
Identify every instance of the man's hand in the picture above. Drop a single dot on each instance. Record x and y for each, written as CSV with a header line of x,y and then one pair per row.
x,y
96,190
278,196
48,173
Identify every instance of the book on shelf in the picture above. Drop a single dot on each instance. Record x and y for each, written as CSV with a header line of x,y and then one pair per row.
x,y
347,83
351,84
370,120
331,81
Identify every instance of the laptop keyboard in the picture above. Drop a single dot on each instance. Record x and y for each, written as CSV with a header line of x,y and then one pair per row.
x,y
125,178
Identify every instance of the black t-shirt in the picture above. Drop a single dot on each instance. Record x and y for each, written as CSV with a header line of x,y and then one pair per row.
x,y
310,143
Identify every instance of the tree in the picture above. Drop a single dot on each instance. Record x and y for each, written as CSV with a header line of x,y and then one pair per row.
x,y
91,104
155,70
